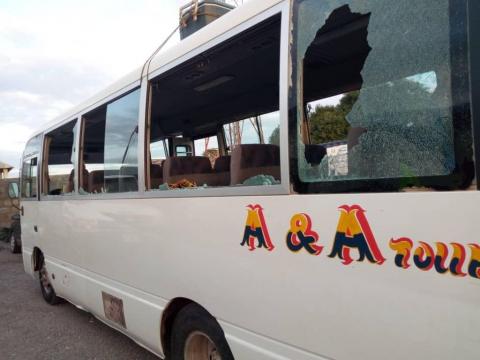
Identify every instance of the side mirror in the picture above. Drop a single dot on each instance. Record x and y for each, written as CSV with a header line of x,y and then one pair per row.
x,y
13,190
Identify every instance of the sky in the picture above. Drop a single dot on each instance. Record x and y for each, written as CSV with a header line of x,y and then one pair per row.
x,y
55,54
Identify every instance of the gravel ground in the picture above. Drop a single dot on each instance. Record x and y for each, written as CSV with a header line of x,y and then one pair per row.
x,y
32,329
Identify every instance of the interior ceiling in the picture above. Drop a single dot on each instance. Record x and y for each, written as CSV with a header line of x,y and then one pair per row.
x,y
250,63
61,144
334,61
335,58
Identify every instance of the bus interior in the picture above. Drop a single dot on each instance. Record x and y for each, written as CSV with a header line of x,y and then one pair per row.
x,y
214,120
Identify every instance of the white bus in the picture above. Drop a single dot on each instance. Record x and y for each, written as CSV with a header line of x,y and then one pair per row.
x,y
294,181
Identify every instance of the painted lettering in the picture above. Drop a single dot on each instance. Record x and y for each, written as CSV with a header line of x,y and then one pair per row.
x,y
441,257
354,232
474,266
403,247
256,230
423,256
301,236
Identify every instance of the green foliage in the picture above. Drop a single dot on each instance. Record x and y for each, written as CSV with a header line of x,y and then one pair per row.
x,y
328,123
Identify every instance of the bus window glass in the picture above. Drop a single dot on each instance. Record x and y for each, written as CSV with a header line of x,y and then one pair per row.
x,y
375,91
59,160
29,168
262,129
159,151
242,132
206,146
236,80
110,161
183,150
270,125
158,154
33,146
29,178
121,142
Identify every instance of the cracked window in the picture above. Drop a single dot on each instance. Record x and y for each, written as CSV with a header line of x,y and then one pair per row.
x,y
374,92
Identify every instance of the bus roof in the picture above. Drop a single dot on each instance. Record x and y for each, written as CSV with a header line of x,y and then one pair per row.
x,y
201,37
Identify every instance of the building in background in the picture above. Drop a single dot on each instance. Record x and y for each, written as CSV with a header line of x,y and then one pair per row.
x,y
4,170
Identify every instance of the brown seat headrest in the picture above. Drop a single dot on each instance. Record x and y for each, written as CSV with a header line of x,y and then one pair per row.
x,y
96,181
156,170
222,164
156,175
254,159
180,165
255,155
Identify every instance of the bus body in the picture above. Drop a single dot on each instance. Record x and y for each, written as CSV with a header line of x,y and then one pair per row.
x,y
336,216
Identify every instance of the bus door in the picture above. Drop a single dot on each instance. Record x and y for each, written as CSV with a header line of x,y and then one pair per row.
x,y
29,195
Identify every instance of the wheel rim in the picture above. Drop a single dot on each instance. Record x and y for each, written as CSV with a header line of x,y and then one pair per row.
x,y
199,347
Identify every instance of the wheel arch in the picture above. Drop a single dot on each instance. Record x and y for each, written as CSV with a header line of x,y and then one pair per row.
x,y
168,317
37,259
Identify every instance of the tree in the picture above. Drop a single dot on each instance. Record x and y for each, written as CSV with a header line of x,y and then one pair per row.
x,y
328,123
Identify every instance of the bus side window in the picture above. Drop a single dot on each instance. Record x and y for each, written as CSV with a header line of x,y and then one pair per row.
x,y
109,159
227,101
29,168
158,154
376,106
183,150
262,129
59,160
29,178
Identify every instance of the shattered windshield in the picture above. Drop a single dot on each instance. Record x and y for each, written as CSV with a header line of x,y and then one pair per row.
x,y
374,94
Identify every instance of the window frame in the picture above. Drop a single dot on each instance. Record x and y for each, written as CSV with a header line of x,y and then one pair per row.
x,y
474,64
464,172
43,194
282,9
80,143
28,157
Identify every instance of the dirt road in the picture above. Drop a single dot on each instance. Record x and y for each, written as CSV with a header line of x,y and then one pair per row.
x,y
32,329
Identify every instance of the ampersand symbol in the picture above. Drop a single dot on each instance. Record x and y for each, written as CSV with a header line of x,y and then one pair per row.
x,y
301,235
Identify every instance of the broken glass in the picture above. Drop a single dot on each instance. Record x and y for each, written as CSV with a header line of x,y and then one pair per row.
x,y
373,89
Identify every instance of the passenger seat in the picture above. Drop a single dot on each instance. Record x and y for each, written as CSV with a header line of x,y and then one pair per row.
x,y
250,160
196,169
84,184
96,181
221,170
156,175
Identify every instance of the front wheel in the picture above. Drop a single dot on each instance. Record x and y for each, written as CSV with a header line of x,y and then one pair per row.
x,y
14,243
196,335
48,292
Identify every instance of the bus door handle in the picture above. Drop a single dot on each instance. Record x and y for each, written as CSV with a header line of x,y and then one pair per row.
x,y
35,228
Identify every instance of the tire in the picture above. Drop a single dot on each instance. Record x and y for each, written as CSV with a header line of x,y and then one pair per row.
x,y
15,247
48,292
196,335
